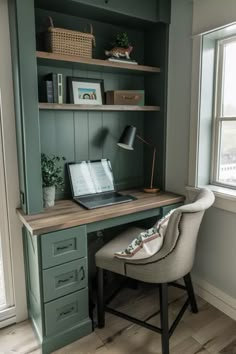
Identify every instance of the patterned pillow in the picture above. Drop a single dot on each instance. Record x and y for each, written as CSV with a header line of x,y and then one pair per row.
x,y
148,242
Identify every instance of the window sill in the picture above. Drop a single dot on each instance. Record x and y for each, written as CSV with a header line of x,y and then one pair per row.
x,y
225,197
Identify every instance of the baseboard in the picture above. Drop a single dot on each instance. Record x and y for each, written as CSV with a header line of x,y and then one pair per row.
x,y
215,297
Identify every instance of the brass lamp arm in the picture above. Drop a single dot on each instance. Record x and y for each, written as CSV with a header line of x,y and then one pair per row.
x,y
153,157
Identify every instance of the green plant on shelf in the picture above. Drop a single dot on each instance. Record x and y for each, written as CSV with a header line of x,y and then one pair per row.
x,y
51,171
121,40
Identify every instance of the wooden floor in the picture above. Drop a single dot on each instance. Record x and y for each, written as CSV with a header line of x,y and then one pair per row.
x,y
208,332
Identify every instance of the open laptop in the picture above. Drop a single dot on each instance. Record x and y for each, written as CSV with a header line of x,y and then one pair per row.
x,y
92,184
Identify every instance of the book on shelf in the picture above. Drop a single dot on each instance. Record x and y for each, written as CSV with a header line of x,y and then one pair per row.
x,y
49,91
54,90
123,60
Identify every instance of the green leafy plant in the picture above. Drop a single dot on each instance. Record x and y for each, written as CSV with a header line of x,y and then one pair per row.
x,y
51,171
121,40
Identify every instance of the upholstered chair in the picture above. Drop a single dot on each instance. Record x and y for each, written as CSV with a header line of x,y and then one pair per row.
x,y
173,262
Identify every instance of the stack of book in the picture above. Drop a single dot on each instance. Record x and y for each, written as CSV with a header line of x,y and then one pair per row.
x,y
54,88
123,60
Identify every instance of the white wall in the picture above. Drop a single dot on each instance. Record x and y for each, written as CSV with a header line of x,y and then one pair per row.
x,y
215,259
211,14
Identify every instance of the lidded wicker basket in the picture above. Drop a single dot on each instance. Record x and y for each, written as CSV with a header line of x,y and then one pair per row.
x,y
63,41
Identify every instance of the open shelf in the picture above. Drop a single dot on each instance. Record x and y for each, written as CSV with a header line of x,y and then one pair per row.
x,y
95,64
87,107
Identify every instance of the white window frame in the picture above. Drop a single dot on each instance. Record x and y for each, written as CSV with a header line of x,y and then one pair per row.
x,y
218,116
225,197
13,234
4,233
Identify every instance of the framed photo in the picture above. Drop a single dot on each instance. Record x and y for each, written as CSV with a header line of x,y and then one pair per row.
x,y
85,91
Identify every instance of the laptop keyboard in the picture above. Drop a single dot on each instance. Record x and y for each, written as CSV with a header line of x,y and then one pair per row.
x,y
101,197
97,201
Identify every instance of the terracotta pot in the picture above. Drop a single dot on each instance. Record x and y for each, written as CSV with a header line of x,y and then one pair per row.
x,y
49,196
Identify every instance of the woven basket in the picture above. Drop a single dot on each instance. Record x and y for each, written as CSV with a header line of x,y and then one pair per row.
x,y
63,41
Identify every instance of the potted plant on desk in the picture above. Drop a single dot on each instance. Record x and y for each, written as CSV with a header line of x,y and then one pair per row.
x,y
52,177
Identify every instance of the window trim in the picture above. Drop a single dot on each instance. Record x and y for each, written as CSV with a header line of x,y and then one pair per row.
x,y
225,198
218,117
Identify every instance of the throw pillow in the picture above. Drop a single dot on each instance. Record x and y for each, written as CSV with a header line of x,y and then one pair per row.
x,y
148,242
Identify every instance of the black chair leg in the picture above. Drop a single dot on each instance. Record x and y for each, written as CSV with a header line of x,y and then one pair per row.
x,y
163,291
189,287
100,299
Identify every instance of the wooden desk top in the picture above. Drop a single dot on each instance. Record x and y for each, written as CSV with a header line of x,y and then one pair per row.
x,y
66,213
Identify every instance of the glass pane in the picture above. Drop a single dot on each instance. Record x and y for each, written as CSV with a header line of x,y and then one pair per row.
x,y
2,288
227,167
229,80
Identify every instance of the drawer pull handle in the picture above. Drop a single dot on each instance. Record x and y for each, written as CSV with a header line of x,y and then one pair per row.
x,y
64,247
83,273
67,312
65,280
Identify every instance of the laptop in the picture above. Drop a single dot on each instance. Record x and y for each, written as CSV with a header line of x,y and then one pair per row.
x,y
92,184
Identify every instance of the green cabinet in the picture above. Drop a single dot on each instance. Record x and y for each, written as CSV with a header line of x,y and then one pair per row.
x,y
57,282
56,262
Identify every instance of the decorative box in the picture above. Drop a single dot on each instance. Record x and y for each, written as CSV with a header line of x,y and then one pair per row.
x,y
125,97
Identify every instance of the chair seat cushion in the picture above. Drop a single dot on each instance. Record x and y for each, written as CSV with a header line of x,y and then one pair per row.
x,y
105,257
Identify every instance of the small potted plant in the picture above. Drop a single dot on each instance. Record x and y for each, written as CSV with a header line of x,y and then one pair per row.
x,y
52,177
121,47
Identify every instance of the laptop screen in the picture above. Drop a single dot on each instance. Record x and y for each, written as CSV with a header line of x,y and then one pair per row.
x,y
91,177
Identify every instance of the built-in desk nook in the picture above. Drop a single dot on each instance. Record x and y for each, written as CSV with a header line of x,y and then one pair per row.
x,y
56,262
55,239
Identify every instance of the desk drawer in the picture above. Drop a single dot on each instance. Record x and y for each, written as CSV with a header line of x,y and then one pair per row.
x,y
64,279
65,312
63,246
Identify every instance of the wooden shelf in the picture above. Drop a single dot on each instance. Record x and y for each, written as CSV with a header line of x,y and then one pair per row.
x,y
87,107
95,64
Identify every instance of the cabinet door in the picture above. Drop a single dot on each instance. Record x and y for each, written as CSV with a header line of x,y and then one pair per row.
x,y
146,10
63,246
65,312
64,279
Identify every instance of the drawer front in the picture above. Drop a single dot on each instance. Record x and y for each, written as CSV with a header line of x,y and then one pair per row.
x,y
64,279
63,246
65,312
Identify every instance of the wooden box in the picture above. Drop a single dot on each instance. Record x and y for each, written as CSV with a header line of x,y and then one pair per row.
x,y
127,97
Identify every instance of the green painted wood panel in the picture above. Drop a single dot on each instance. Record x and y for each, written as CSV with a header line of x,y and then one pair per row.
x,y
63,246
33,276
121,220
156,92
69,335
66,312
27,100
94,135
64,279
134,8
165,210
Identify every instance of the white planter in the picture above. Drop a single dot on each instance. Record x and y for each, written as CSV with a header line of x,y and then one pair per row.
x,y
48,196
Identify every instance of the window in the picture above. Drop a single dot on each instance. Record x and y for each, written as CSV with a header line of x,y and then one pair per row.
x,y
224,137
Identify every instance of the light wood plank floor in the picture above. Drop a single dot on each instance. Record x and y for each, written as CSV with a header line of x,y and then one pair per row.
x,y
208,332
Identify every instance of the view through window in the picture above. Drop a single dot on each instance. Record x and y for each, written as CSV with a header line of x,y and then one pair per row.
x,y
225,123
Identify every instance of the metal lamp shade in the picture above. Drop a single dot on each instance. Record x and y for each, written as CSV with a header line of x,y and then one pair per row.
x,y
127,138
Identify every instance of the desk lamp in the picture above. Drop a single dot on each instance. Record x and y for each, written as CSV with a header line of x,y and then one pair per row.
x,y
126,141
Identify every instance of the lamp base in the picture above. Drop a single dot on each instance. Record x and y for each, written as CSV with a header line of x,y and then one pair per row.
x,y
151,190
